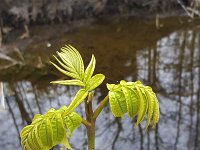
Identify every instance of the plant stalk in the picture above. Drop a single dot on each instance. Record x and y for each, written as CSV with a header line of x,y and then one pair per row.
x,y
89,118
85,122
100,107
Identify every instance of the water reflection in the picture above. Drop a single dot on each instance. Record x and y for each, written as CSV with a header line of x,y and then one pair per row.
x,y
171,65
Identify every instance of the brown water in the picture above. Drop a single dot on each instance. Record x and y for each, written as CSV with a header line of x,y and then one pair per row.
x,y
168,59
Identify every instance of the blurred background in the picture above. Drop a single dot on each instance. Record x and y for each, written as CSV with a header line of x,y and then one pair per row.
x,y
155,41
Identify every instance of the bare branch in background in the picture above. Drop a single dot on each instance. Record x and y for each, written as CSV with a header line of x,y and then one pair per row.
x,y
193,9
1,39
11,61
2,99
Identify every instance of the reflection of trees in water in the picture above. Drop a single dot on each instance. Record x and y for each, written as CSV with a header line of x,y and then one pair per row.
x,y
175,77
23,100
171,66
180,71
197,126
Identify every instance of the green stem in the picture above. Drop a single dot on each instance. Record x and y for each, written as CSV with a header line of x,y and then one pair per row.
x,y
100,107
91,137
85,122
89,118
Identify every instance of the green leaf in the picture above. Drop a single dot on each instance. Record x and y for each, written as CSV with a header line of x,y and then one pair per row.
x,y
151,102
132,101
95,81
139,100
65,142
37,144
114,87
25,135
75,58
71,62
117,103
155,111
58,128
81,65
72,65
29,138
79,97
46,133
72,121
69,82
142,106
67,73
50,113
90,69
67,64
36,116
49,129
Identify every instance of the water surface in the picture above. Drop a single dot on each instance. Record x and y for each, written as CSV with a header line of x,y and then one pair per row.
x,y
168,59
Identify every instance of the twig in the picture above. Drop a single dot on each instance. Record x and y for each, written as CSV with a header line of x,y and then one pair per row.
x,y
186,10
100,107
85,122
2,96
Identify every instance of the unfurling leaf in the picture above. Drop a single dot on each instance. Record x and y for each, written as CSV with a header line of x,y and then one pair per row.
x,y
79,97
65,142
155,112
151,102
69,82
71,62
95,81
142,105
131,101
58,128
46,133
72,121
49,129
72,66
137,98
90,69
117,103
67,73
113,87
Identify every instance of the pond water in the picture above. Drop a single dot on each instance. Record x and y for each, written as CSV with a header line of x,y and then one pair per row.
x,y
166,58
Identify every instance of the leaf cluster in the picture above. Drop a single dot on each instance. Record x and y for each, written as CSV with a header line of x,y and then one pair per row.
x,y
71,65
135,99
49,129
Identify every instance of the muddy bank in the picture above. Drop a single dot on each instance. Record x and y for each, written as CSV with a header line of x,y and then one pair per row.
x,y
25,12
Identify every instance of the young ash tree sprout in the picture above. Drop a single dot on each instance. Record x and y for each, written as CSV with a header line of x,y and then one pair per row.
x,y
50,129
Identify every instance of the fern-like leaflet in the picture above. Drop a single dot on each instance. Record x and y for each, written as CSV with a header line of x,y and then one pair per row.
x,y
72,66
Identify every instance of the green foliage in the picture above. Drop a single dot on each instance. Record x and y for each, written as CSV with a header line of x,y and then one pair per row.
x,y
135,99
72,66
49,129
79,97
